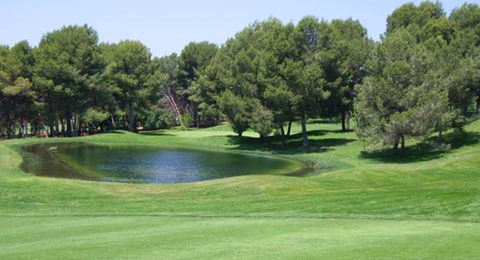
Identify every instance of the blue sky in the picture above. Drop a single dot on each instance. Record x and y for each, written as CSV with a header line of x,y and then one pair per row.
x,y
167,26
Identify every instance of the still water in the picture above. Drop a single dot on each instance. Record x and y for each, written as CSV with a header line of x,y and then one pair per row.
x,y
144,163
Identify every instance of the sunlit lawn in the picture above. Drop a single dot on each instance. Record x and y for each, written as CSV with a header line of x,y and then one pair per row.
x,y
351,205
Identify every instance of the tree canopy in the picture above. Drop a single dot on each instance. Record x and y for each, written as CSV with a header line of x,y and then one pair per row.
x,y
421,77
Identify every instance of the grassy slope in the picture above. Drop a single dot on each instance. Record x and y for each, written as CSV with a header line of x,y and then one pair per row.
x,y
352,204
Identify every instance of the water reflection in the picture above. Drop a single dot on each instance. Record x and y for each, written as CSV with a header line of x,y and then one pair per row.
x,y
143,163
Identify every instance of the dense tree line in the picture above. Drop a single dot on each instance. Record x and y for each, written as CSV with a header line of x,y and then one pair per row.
x,y
423,76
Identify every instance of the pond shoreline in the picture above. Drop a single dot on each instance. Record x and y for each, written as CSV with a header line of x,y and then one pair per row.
x,y
43,158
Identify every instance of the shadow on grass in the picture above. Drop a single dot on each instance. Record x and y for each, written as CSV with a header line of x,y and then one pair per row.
x,y
154,133
289,144
123,132
118,132
322,121
425,151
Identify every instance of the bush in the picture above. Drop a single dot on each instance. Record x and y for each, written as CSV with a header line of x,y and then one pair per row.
x,y
159,119
262,122
187,120
93,118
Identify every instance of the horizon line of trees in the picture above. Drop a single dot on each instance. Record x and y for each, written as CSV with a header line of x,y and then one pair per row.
x,y
422,77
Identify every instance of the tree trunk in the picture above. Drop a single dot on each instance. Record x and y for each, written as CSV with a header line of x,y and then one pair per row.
x,y
478,103
304,131
289,127
69,124
78,126
132,125
75,126
52,129
440,136
402,145
345,121
175,107
23,130
395,145
9,128
240,134
113,125
55,127
196,116
282,131
20,131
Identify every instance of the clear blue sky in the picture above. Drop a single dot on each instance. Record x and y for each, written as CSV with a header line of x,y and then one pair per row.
x,y
167,26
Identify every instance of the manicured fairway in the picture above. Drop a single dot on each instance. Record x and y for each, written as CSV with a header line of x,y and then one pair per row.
x,y
238,238
352,205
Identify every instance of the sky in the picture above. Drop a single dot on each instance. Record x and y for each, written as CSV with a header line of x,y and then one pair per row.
x,y
167,26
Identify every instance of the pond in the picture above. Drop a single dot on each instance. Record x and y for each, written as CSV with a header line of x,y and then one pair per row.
x,y
134,163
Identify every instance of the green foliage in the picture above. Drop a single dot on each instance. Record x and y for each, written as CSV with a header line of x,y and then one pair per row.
x,y
187,120
413,18
131,70
283,102
418,82
281,67
237,110
94,118
191,63
345,66
66,61
262,122
423,76
192,60
17,97
158,118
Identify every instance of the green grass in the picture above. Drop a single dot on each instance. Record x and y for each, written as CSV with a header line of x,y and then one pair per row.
x,y
211,238
425,204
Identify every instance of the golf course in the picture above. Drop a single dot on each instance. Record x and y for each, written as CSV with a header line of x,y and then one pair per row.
x,y
240,129
349,204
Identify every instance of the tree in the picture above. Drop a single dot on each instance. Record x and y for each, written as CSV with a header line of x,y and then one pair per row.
x,y
235,84
401,97
466,21
191,62
65,62
413,18
344,63
237,110
262,121
17,98
423,76
93,119
283,104
158,118
167,66
273,44
212,82
131,71
274,67
303,71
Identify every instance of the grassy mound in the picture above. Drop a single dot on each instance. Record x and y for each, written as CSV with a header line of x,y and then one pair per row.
x,y
352,205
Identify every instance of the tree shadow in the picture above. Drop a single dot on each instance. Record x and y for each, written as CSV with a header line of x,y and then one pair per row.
x,y
155,133
322,121
425,151
288,145
116,132
124,132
